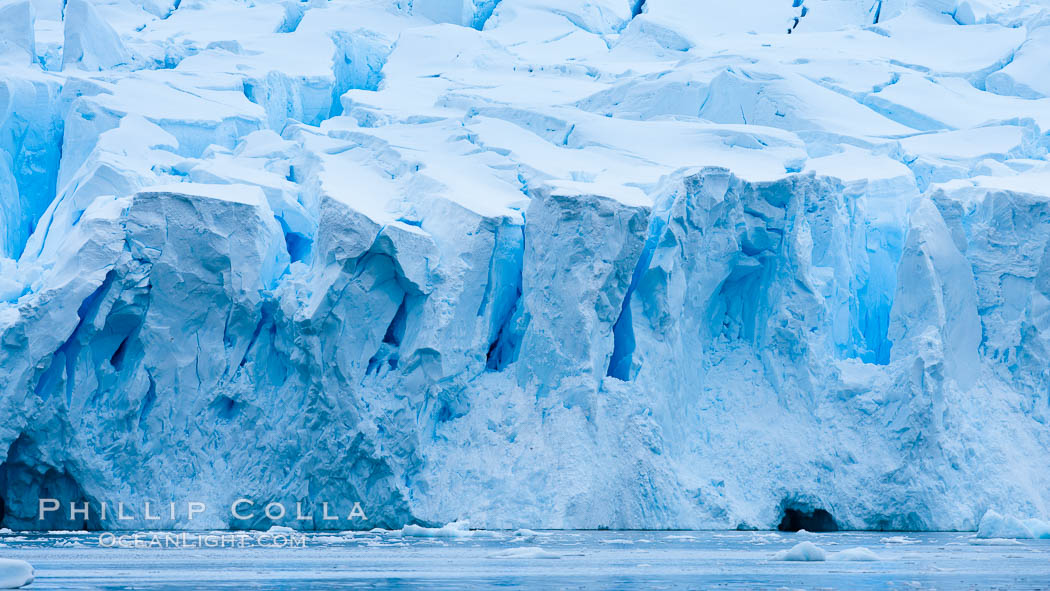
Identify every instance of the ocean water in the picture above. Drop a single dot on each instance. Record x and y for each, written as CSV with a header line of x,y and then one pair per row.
x,y
525,560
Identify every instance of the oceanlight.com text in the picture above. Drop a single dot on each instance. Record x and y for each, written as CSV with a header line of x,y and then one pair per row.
x,y
190,540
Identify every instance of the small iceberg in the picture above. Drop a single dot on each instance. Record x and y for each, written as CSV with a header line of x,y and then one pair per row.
x,y
993,525
767,538
15,573
802,552
810,552
994,542
456,529
899,540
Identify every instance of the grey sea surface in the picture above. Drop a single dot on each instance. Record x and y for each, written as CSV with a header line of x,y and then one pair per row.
x,y
524,560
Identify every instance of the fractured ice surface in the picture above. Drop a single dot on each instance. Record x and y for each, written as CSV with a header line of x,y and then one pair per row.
x,y
528,263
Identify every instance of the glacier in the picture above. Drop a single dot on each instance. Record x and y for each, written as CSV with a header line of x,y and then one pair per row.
x,y
526,263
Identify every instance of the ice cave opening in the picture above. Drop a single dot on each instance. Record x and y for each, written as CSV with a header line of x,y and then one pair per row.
x,y
815,520
25,479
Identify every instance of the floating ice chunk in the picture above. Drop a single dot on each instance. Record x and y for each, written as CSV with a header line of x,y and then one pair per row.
x,y
1040,529
280,529
328,539
15,573
525,552
767,538
994,542
456,529
899,540
802,552
528,535
993,525
859,554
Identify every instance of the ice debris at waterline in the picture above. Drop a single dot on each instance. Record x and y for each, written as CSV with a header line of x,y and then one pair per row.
x,y
15,573
458,529
802,552
810,552
280,529
574,264
655,560
994,525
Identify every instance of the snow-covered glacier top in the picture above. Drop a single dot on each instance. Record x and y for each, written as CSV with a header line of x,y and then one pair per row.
x,y
525,263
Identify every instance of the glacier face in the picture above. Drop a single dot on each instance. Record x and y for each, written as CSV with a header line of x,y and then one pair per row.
x,y
527,263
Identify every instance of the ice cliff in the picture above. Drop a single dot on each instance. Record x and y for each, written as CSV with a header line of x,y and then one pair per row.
x,y
527,263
